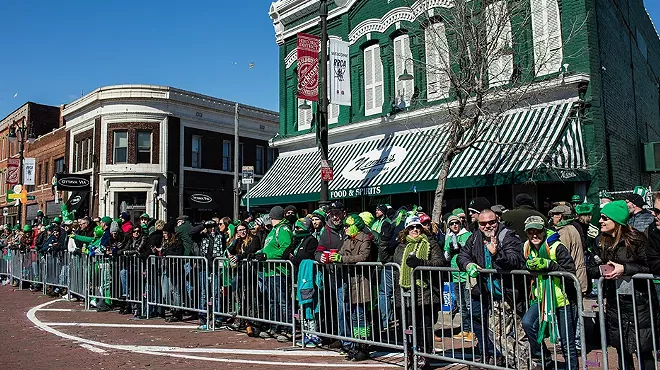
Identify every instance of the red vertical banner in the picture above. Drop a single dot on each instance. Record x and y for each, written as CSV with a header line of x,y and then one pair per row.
x,y
308,67
12,170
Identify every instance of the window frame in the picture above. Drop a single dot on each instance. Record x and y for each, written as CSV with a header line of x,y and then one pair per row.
x,y
115,146
227,164
259,160
139,150
196,155
377,86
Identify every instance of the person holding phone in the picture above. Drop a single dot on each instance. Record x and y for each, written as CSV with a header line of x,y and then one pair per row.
x,y
620,253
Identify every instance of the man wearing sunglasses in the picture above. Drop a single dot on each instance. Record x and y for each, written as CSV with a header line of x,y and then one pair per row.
x,y
496,247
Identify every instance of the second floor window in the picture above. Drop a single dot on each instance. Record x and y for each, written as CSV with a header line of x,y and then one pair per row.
x,y
403,64
59,166
196,152
121,147
259,161
226,155
373,81
270,157
143,147
437,62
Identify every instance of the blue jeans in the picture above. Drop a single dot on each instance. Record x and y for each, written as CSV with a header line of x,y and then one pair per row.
x,y
566,324
358,319
279,300
123,278
479,322
464,302
343,310
385,293
170,290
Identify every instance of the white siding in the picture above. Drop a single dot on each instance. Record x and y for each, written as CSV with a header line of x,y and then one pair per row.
x,y
546,29
437,62
498,38
373,81
403,63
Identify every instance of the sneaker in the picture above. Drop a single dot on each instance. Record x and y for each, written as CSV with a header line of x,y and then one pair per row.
x,y
92,303
282,338
350,354
336,345
310,341
460,335
468,337
202,327
266,334
103,309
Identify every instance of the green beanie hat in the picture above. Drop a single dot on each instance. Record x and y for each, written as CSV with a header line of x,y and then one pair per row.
x,y
302,227
616,211
320,214
27,228
584,209
98,231
355,224
106,220
458,211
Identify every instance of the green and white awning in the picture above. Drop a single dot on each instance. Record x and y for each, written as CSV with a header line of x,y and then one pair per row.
x,y
543,142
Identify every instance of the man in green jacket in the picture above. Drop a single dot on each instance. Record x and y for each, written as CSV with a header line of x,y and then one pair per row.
x,y
456,238
276,283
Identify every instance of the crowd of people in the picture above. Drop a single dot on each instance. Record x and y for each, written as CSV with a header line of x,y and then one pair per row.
x,y
624,241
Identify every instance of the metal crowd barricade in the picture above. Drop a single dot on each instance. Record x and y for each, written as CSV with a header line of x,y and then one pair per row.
x,y
494,320
174,282
31,265
5,262
16,262
357,303
255,291
78,275
56,269
630,312
116,278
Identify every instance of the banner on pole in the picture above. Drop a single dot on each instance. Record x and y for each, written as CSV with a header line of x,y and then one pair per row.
x,y
29,167
308,67
340,77
12,170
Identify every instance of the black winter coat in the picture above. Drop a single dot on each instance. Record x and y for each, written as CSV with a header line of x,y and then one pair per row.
x,y
509,256
172,248
305,249
634,263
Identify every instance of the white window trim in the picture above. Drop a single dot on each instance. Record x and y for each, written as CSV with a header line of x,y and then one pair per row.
x,y
548,44
114,149
137,147
403,63
377,86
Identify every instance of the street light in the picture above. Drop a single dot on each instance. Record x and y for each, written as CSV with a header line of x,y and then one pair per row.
x,y
305,106
406,76
322,108
26,133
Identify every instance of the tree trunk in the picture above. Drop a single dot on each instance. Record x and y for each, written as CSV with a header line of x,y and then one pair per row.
x,y
440,189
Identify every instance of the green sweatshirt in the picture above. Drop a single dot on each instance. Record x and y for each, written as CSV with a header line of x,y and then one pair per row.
x,y
461,239
277,241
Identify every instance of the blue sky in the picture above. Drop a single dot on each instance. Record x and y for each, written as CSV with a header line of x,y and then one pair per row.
x,y
54,50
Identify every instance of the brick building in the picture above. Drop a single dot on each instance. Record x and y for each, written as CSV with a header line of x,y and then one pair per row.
x,y
42,120
161,150
598,103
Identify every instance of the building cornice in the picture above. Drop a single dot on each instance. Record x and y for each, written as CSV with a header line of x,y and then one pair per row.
x,y
285,12
165,93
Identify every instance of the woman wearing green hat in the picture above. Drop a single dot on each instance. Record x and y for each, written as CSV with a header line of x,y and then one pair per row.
x,y
620,253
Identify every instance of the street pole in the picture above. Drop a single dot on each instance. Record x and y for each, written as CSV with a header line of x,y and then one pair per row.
x,y
237,189
21,144
322,113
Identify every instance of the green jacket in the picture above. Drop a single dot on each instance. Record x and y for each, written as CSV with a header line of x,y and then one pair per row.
x,y
183,232
279,239
461,239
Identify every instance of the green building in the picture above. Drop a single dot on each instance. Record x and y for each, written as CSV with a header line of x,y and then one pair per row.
x,y
596,104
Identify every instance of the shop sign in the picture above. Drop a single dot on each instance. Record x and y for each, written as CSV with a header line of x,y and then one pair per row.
x,y
374,163
201,198
357,192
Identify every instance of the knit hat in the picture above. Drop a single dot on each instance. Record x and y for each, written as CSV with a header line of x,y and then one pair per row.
x,y
291,208
576,199
125,216
453,218
412,220
458,212
276,213
354,223
368,218
616,211
534,222
303,227
383,208
479,204
98,231
169,227
114,227
106,220
27,228
636,199
584,209
320,214
524,199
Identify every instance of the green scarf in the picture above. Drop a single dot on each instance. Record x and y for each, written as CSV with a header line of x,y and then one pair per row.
x,y
420,247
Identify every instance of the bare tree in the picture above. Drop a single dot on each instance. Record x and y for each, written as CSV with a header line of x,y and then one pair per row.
x,y
473,77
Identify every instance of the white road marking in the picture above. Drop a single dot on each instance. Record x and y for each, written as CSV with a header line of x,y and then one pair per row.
x,y
31,315
230,351
94,349
101,325
58,309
